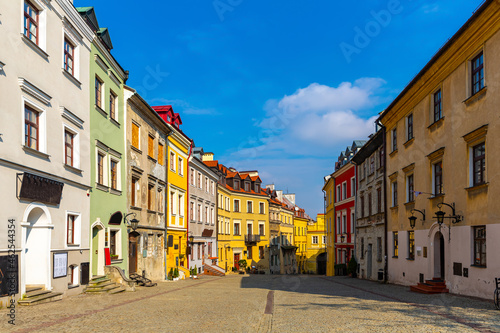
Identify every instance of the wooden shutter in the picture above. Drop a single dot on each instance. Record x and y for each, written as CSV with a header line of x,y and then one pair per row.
x,y
135,135
160,154
151,146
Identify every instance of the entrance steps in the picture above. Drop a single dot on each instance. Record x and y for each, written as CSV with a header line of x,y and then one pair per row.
x,y
102,284
142,281
38,295
434,286
213,270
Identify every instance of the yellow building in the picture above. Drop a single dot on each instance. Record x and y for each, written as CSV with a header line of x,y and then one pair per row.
x,y
178,150
316,246
243,229
329,190
300,239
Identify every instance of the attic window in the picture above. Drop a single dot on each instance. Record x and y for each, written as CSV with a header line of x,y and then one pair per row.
x,y
236,184
257,188
247,187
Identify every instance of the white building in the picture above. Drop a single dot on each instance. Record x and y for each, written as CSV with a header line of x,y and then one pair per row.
x,y
44,144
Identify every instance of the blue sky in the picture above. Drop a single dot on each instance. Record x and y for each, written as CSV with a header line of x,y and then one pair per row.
x,y
277,86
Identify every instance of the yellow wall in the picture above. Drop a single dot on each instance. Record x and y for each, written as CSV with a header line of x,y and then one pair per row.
x,y
313,250
329,218
300,241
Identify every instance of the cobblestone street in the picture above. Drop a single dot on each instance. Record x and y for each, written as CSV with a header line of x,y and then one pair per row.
x,y
258,303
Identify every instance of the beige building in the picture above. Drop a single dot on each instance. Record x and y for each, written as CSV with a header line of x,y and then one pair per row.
x,y
44,147
146,134
441,134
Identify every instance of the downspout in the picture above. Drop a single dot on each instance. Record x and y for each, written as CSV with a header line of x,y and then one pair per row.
x,y
355,215
386,265
187,206
326,223
165,239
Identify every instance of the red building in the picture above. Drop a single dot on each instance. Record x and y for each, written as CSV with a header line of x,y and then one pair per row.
x,y
344,179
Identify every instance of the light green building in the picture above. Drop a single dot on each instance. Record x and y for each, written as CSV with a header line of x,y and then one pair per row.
x,y
108,199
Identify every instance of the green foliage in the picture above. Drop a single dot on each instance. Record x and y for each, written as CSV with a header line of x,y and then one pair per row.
x,y
352,267
176,273
242,263
171,274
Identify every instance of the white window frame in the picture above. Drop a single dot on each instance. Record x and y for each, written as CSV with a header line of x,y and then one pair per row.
x,y
234,227
193,216
263,224
324,239
314,240
118,240
42,124
77,230
172,166
251,204
239,205
105,167
76,145
192,178
344,190
338,196
42,24
249,222
118,172
353,186
67,34
180,166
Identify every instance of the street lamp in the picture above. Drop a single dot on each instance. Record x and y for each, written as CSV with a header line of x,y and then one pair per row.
x,y
440,215
191,240
413,218
342,237
133,223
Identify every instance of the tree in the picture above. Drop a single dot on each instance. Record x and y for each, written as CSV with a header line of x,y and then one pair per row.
x,y
242,263
352,267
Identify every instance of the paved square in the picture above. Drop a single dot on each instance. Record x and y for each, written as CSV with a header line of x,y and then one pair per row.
x,y
261,303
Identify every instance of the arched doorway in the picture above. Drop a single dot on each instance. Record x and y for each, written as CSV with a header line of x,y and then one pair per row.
x,y
97,251
439,258
321,264
36,251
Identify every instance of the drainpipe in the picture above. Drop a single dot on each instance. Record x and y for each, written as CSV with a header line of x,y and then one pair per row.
x,y
165,239
386,265
187,207
326,223
355,205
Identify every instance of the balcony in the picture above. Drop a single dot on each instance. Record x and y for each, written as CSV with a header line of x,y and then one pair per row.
x,y
252,238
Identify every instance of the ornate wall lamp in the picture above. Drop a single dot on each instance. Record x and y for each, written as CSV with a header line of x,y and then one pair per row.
x,y
413,218
134,223
440,215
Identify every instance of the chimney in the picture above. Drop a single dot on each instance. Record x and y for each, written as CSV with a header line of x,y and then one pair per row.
x,y
280,195
208,157
290,197
271,187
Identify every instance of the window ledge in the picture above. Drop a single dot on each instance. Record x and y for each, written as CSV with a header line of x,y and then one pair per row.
x,y
435,124
73,286
477,96
72,169
98,108
395,257
152,159
410,259
35,47
35,152
409,203
116,261
478,266
71,78
102,187
392,153
409,142
151,211
477,188
115,192
437,196
115,122
137,150
135,208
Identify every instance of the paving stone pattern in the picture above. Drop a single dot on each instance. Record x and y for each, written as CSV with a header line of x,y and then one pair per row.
x,y
261,303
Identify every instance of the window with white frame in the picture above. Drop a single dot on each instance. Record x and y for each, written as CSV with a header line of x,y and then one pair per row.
x,y
34,23
71,147
73,275
114,173
115,243
344,223
353,186
262,228
237,205
212,216
344,190
409,127
191,211
207,188
207,221
172,161
181,205
73,228
262,208
339,228
338,194
410,186
181,166
237,230
101,167
315,240
172,203
249,207
324,240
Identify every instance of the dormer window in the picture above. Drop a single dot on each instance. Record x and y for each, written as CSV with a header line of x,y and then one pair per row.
x,y
247,187
236,184
257,188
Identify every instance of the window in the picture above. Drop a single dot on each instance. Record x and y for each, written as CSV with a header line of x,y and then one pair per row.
x,y
172,203
236,206
395,243
394,140
379,248
249,207
72,276
362,204
362,255
31,22
372,164
257,188
324,239
262,208
112,105
151,194
262,229
31,127
135,135
236,184
480,246
381,157
69,56
199,212
344,223
237,231
100,168
438,108
206,215
133,197
353,187
160,153
247,187
191,176
68,145
410,194
181,166
114,175
409,127
70,240
370,204
249,252
394,194
379,200
478,164
181,205
191,211
199,180
249,228
212,221
344,190
151,146
98,92
315,239
212,187
338,194
112,242
438,178
207,189
261,252
477,67
411,245
172,162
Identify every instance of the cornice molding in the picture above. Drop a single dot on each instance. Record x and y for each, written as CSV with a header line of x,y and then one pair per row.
x,y
34,91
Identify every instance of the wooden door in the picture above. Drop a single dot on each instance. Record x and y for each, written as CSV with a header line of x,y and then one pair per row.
x,y
132,253
236,259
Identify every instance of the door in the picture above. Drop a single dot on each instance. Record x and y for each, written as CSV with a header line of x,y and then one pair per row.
x,y
439,256
369,262
441,251
37,249
132,252
97,250
236,260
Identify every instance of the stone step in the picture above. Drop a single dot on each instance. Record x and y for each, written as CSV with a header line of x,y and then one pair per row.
x,y
117,290
36,293
101,285
426,290
33,288
101,280
45,298
102,290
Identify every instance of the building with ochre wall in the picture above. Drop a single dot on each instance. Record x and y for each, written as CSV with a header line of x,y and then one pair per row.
x,y
316,246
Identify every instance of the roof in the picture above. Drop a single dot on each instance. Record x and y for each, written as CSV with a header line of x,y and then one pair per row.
x,y
376,141
438,55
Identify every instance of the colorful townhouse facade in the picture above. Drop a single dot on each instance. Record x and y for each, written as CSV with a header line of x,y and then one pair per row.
x,y
440,134
179,149
44,149
300,221
203,183
316,246
370,208
329,197
146,135
108,202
